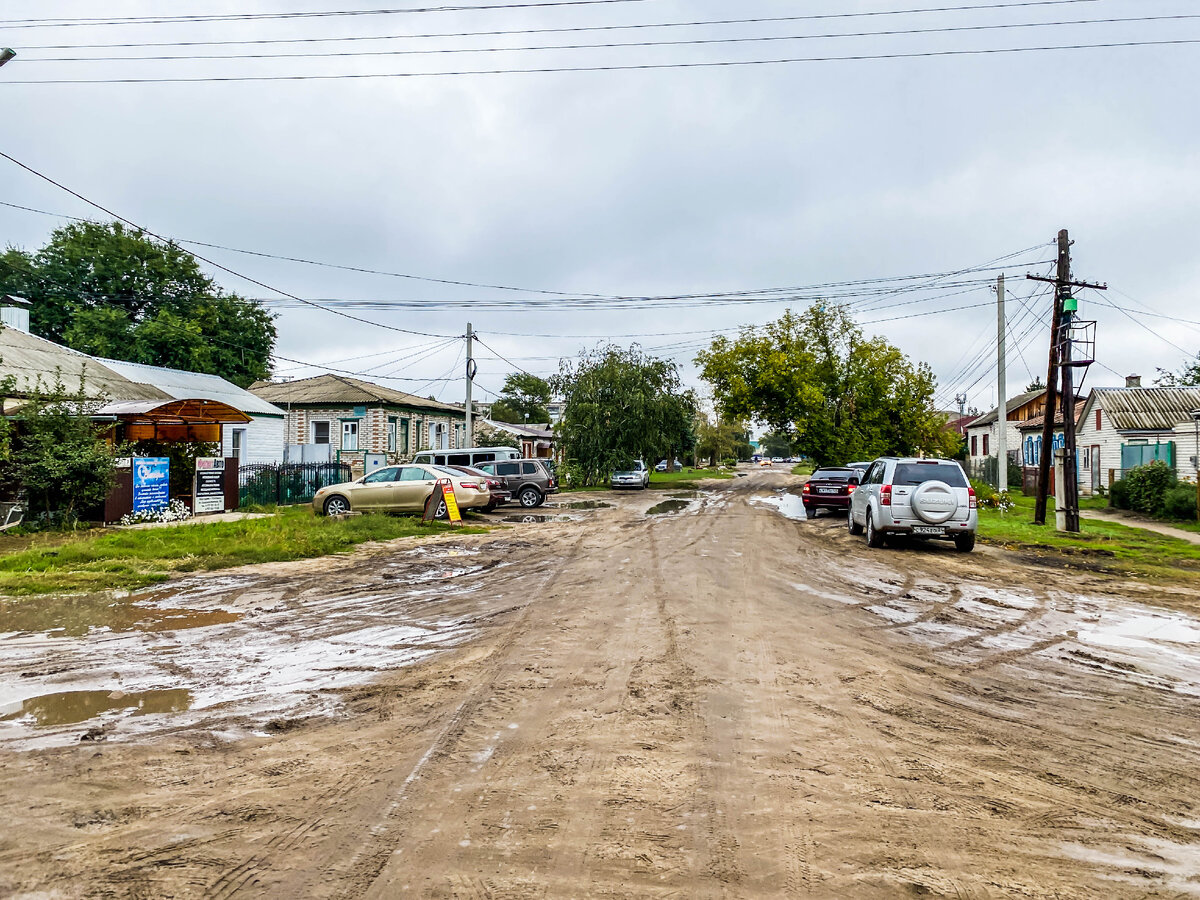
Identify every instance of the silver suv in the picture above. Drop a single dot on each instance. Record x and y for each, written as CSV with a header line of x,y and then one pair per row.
x,y
924,498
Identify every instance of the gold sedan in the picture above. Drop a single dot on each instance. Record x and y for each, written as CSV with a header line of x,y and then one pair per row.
x,y
401,489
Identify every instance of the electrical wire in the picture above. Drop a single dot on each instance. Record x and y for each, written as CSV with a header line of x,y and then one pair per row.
x,y
630,67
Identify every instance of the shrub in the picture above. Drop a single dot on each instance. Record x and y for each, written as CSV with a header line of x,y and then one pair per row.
x,y
1180,502
989,498
1118,494
1148,486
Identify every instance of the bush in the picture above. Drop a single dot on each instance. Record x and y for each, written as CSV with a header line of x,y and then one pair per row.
x,y
1180,502
989,498
1148,485
1118,494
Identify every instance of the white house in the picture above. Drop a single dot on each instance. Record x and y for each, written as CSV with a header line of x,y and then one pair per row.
x,y
261,440
981,432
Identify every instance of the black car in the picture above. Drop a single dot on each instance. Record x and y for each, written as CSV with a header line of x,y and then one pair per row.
x,y
496,486
830,487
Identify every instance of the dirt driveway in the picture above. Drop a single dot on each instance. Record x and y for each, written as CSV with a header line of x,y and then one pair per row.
x,y
715,701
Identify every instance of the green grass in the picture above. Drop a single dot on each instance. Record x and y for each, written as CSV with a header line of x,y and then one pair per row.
x,y
106,559
804,468
1100,544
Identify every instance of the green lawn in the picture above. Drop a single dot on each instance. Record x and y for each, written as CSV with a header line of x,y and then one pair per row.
x,y
105,559
804,468
1108,545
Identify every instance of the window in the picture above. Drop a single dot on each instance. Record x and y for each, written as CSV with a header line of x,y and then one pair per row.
x,y
380,476
391,436
414,473
531,468
320,432
974,445
919,473
238,443
458,459
508,469
985,444
350,435
405,443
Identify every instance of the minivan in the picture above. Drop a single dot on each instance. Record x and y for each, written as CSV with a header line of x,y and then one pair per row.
x,y
467,456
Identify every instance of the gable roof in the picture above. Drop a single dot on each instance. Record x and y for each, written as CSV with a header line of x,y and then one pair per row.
x,y
1147,409
181,385
542,432
28,357
1012,406
342,390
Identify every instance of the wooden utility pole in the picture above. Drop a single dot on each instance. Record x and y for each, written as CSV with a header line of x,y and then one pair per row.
x,y
1060,362
1001,391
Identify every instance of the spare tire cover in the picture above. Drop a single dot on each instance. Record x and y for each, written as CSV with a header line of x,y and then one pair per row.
x,y
934,502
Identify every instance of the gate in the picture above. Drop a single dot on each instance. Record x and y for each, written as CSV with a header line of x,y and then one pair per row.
x,y
263,484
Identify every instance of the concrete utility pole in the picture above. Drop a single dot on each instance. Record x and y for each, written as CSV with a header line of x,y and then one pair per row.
x,y
1065,306
471,369
1001,391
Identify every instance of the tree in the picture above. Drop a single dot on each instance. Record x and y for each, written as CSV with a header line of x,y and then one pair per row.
x,y
842,395
776,443
1036,385
56,455
621,405
720,439
524,398
1187,376
115,292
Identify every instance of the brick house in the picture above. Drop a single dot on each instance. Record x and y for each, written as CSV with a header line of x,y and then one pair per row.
x,y
338,418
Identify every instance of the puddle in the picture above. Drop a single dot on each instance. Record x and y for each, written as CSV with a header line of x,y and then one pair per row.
x,y
586,504
684,495
788,505
76,616
668,506
530,519
70,707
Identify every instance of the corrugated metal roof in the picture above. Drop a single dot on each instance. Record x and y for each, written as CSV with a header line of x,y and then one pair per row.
x,y
1014,404
181,385
1148,409
542,432
28,357
341,390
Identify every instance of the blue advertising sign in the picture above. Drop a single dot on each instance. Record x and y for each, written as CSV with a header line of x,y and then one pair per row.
x,y
151,483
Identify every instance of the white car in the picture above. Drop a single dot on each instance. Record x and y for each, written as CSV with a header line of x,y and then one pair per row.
x,y
637,476
921,498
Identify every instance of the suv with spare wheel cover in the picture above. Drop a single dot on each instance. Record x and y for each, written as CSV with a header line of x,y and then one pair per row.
x,y
528,481
920,498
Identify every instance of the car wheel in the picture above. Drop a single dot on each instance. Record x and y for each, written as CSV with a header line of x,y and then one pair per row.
x,y
441,511
530,497
853,527
964,543
874,535
337,506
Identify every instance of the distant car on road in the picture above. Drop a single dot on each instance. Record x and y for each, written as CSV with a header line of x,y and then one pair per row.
x,y
663,464
638,476
776,459
765,462
921,498
399,489
830,488
529,481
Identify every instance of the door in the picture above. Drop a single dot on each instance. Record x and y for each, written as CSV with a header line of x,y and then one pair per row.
x,y
413,488
375,491
1096,483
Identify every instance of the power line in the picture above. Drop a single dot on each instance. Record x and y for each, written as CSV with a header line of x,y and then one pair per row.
x,y
244,17
693,42
632,67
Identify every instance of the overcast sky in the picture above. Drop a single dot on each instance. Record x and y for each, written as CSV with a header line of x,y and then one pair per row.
x,y
638,183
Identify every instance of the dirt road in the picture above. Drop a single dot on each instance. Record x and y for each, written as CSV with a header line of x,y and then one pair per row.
x,y
717,701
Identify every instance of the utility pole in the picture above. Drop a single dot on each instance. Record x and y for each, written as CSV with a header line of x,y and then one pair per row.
x,y
1001,392
1065,306
471,369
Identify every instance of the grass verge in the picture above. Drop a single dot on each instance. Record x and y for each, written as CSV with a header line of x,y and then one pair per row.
x,y
1100,545
109,559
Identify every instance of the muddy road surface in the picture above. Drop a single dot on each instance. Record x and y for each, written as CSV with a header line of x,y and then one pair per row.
x,y
715,700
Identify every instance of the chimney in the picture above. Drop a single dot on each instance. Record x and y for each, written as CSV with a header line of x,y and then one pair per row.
x,y
1133,381
14,312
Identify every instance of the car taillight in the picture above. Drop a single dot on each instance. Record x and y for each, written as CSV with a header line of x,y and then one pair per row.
x,y
807,489
972,498
850,488
885,495
471,484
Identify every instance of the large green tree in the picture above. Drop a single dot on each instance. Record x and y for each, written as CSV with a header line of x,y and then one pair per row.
x,y
621,405
524,398
115,292
816,376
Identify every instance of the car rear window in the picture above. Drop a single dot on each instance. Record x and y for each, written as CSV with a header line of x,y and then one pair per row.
x,y
919,473
834,474
530,468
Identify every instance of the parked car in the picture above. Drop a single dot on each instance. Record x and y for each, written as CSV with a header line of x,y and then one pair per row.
x,y
466,456
776,459
861,466
638,476
921,498
403,489
664,464
496,487
529,481
830,487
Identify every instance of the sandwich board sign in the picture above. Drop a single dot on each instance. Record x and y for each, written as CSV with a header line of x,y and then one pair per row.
x,y
151,483
442,505
208,489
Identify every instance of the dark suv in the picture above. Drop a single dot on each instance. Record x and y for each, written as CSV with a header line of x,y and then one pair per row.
x,y
528,480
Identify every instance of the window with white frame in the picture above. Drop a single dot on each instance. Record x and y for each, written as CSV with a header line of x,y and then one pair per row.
x,y
391,436
350,434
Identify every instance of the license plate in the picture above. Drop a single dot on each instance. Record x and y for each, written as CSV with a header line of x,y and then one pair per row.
x,y
827,490
928,529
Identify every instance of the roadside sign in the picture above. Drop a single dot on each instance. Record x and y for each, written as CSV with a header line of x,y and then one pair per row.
x,y
442,505
208,489
151,483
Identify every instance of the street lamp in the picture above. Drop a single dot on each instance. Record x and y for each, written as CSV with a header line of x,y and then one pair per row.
x,y
6,54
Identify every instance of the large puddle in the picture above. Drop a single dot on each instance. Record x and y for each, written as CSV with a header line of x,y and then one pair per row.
x,y
70,707
788,505
76,616
668,506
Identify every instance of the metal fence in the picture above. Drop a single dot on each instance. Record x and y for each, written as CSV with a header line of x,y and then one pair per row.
x,y
267,483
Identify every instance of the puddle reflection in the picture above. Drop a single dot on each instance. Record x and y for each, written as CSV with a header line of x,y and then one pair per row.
x,y
69,707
